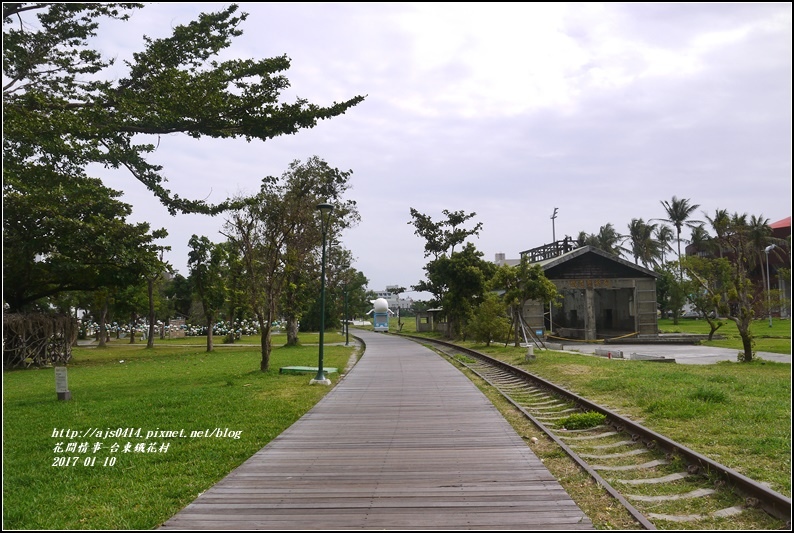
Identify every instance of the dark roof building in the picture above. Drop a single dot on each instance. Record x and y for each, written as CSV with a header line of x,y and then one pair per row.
x,y
603,296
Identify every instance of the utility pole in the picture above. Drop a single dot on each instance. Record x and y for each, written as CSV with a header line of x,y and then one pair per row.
x,y
554,243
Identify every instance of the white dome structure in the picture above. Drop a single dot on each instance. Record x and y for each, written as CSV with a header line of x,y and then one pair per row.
x,y
381,305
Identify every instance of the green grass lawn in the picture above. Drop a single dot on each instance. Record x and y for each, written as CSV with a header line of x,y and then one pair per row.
x,y
169,388
738,414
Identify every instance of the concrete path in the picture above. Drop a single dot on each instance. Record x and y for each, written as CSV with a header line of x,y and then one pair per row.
x,y
683,354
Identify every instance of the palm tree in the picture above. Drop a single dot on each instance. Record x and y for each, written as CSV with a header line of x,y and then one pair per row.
x,y
610,240
759,234
701,239
720,224
678,214
643,245
738,223
664,236
586,239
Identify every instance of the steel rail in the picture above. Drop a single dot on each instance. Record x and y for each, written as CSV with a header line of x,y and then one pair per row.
x,y
774,503
636,514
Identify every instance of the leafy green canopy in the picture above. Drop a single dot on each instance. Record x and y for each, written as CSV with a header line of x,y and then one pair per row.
x,y
277,233
62,229
60,112
68,235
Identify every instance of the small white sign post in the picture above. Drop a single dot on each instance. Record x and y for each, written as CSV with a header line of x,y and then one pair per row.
x,y
61,385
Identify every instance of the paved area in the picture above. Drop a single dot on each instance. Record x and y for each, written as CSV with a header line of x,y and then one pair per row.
x,y
403,442
683,354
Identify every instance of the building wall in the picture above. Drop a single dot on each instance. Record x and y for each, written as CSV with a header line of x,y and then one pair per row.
x,y
645,302
597,308
393,302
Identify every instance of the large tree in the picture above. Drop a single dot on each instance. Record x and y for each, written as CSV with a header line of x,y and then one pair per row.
x,y
61,112
308,183
679,214
207,262
489,321
277,232
727,281
644,246
520,283
62,235
701,271
720,223
442,236
235,290
664,236
179,293
670,292
460,280
66,115
607,239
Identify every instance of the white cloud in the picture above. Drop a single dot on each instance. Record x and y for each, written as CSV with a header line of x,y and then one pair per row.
x,y
507,110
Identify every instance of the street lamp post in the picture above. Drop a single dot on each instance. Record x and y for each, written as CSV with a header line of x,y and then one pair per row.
x,y
325,220
347,319
556,252
346,322
768,295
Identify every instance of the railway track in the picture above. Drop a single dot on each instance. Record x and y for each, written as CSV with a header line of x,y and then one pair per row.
x,y
661,483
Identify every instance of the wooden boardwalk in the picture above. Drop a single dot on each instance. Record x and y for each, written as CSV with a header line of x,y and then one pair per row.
x,y
404,441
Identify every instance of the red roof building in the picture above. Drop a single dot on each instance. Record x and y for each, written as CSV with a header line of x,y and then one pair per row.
x,y
782,228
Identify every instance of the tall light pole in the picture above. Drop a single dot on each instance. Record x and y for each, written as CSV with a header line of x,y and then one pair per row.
x,y
325,221
768,295
554,243
347,319
347,322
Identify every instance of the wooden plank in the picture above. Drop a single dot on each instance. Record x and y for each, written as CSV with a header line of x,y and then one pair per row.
x,y
403,441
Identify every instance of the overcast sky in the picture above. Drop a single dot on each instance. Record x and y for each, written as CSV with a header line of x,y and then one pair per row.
x,y
507,110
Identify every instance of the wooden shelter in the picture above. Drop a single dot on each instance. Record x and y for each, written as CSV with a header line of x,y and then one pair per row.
x,y
603,296
430,320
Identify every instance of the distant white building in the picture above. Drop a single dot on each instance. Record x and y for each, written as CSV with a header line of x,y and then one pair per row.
x,y
500,260
393,301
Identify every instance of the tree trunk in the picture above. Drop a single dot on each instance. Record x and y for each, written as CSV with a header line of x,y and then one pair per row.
x,y
76,321
150,339
292,331
103,328
509,332
764,282
231,336
264,341
132,328
747,344
713,326
210,320
516,324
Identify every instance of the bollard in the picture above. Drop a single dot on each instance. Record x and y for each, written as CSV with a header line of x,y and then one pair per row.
x,y
530,353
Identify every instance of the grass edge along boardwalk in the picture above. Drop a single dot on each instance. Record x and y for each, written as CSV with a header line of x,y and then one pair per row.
x,y
404,441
